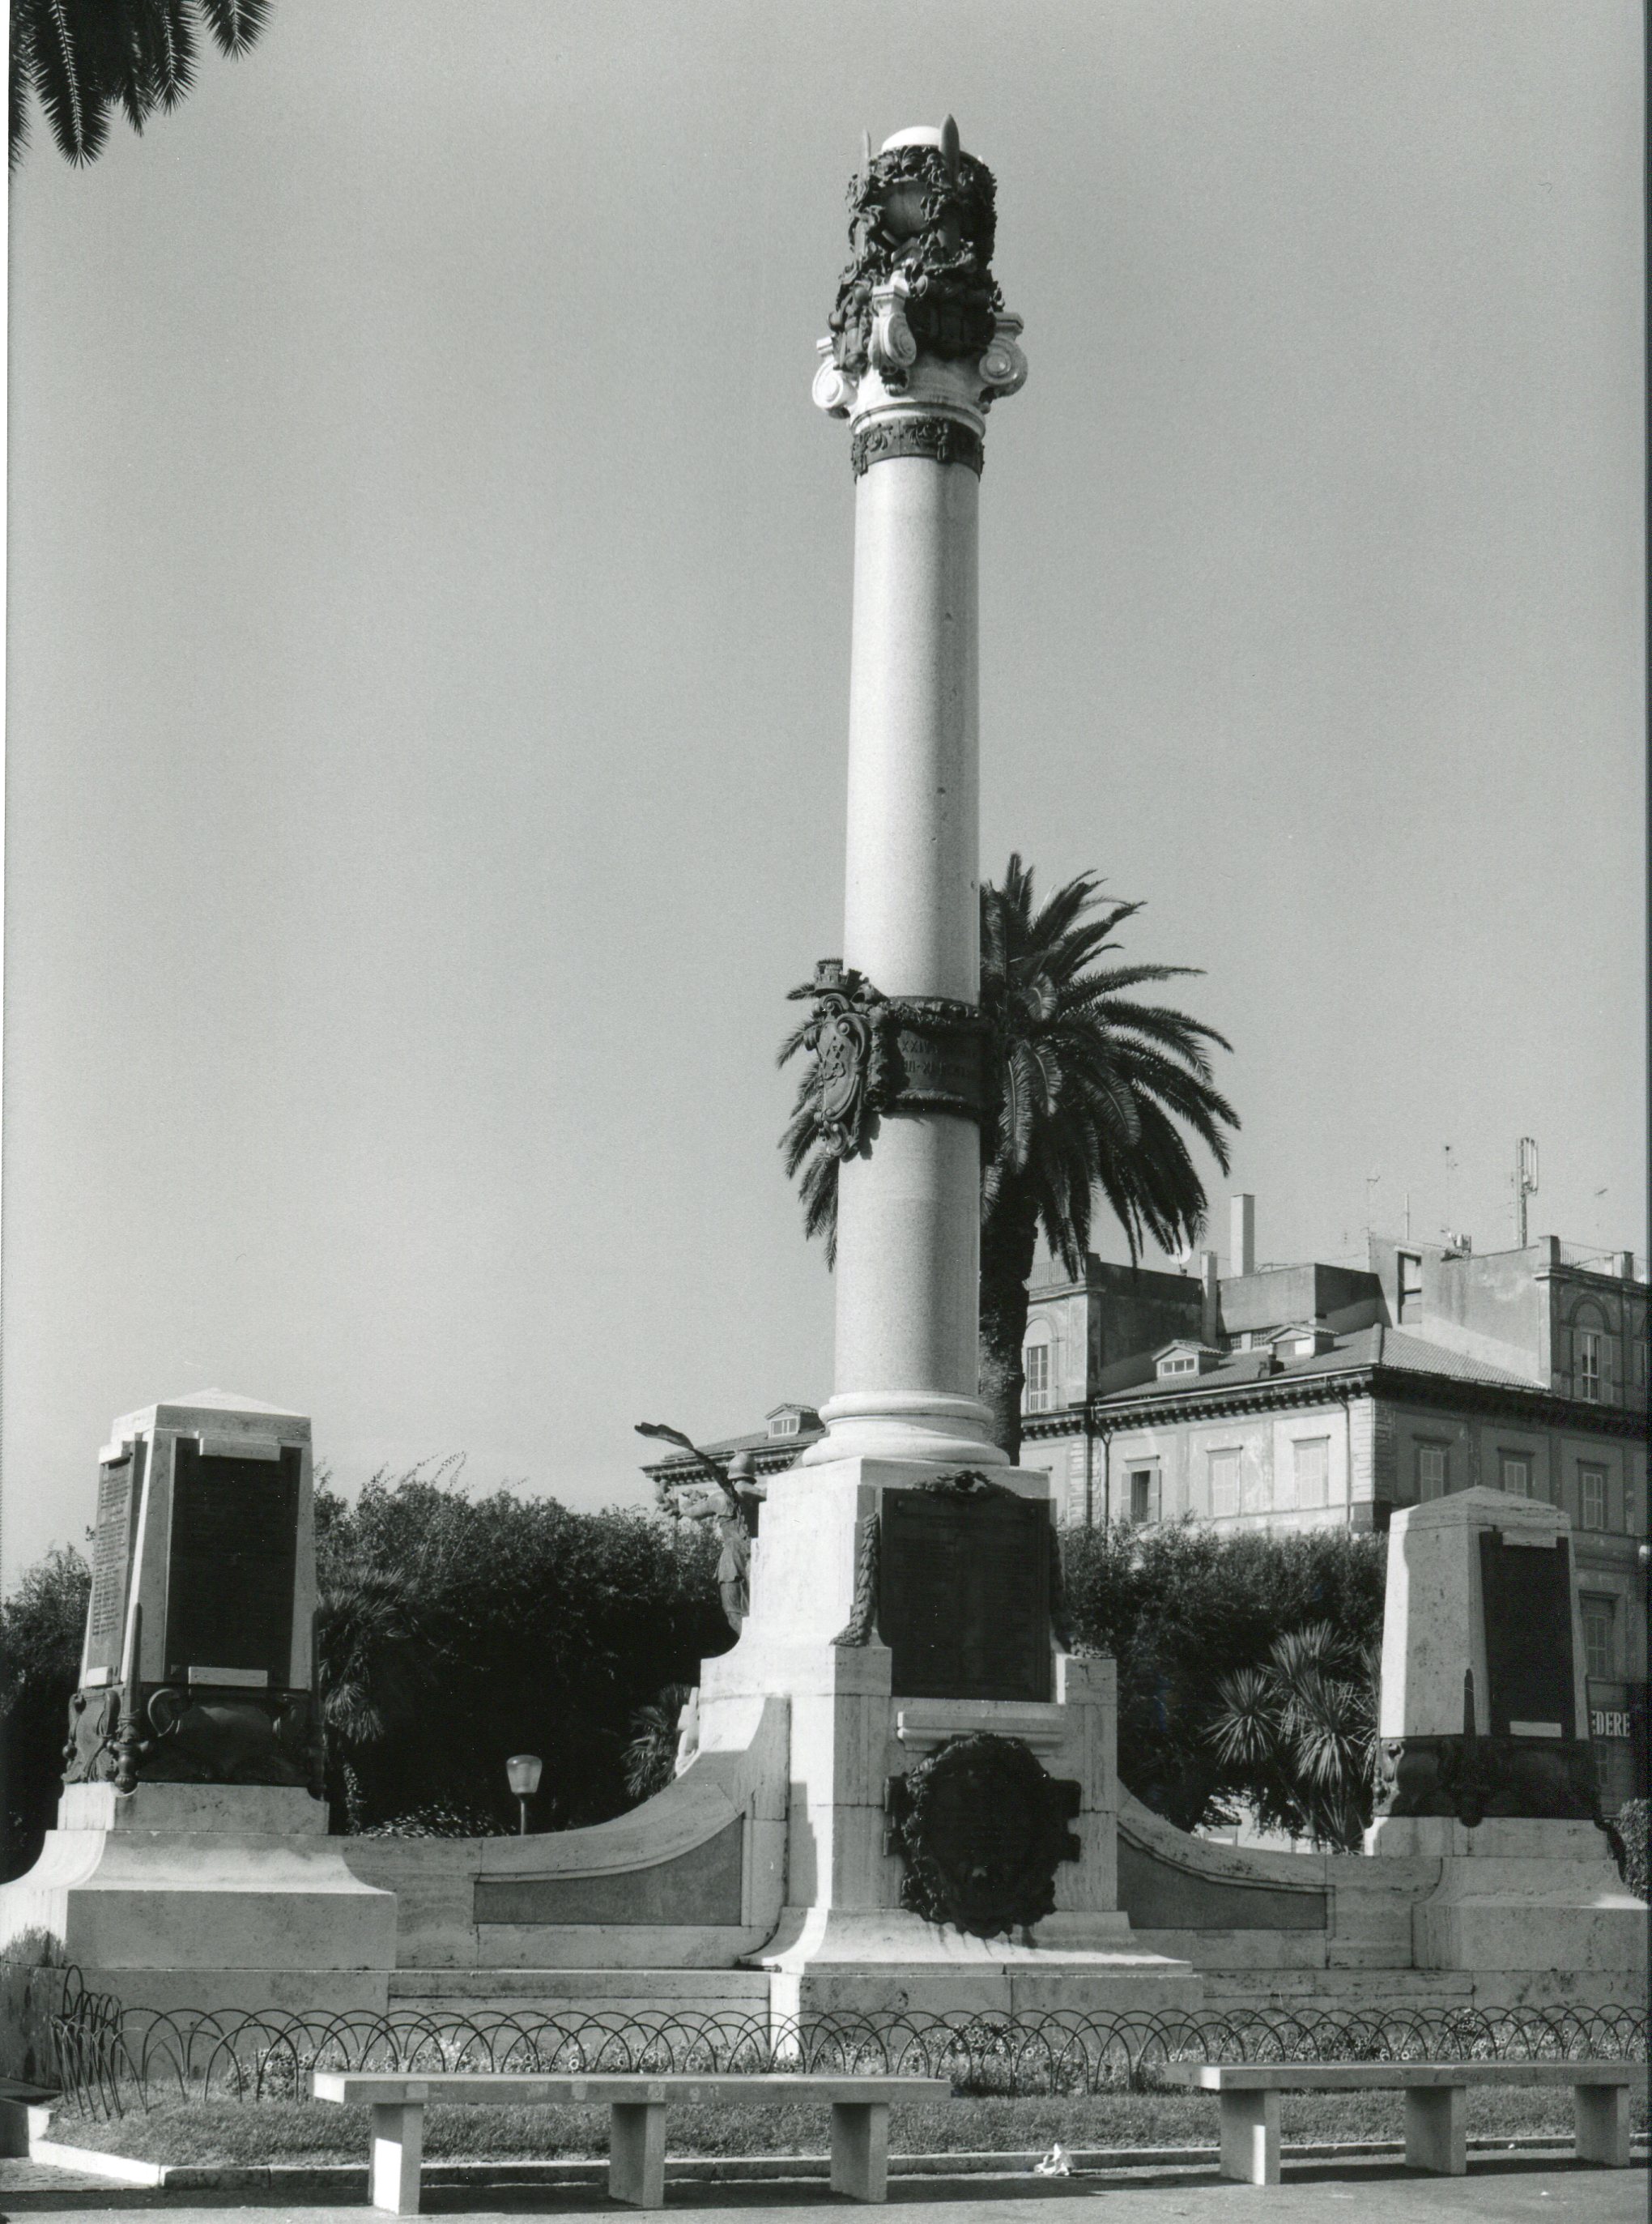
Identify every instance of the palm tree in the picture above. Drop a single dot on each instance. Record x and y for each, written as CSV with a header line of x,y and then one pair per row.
x,y
375,1673
84,59
1301,1729
1089,1091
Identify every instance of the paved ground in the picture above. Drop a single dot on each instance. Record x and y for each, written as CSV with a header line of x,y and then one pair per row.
x,y
1503,2192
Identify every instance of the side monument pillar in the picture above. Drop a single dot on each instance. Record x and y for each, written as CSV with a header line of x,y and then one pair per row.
x,y
1484,1761
950,1829
191,1866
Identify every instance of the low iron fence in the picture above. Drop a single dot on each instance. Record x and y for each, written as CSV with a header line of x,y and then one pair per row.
x,y
108,2060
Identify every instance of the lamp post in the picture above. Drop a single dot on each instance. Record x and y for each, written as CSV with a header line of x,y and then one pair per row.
x,y
524,1770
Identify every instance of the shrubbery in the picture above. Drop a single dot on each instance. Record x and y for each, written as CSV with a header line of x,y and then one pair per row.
x,y
41,1626
1628,1832
455,1630
1183,1608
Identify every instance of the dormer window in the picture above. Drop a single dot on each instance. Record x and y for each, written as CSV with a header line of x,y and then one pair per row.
x,y
1303,1340
792,1420
1179,1359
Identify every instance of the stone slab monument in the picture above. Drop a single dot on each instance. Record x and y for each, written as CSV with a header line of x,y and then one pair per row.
x,y
1485,1760
190,1864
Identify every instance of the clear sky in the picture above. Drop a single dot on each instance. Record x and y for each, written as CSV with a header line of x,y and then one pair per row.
x,y
429,632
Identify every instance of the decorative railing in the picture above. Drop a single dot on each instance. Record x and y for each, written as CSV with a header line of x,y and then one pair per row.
x,y
108,2060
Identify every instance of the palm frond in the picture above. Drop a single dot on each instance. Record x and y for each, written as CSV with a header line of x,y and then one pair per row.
x,y
1246,1727
235,24
76,111
172,52
23,73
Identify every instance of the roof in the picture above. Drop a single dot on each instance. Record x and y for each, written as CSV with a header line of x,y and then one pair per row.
x,y
1361,1348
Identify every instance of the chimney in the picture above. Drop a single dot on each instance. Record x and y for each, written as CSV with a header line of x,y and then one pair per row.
x,y
1623,1266
1210,1304
1241,1238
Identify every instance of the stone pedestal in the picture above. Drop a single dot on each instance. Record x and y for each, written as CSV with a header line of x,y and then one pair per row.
x,y
844,1942
191,1867
197,1663
204,1896
1482,1710
1517,1895
1485,1762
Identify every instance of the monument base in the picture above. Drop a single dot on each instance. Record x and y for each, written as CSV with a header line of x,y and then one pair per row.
x,y
888,1961
206,1896
1517,1895
863,1929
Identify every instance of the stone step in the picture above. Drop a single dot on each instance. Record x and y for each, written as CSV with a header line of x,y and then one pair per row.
x,y
582,1992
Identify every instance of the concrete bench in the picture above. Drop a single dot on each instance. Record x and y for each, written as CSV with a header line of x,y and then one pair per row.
x,y
636,2105
1435,2105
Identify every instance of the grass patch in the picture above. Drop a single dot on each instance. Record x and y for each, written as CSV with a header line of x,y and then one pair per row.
x,y
313,2131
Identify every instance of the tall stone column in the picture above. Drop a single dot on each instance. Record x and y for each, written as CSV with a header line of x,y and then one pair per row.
x,y
920,349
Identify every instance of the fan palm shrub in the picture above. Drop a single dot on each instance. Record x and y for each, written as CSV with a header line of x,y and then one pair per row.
x,y
650,1756
1302,1727
1092,1090
376,1670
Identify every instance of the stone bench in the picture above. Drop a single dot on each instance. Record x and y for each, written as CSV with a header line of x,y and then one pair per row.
x,y
636,2105
1435,2110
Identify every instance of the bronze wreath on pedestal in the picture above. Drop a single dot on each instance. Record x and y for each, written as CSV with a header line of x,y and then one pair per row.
x,y
982,1827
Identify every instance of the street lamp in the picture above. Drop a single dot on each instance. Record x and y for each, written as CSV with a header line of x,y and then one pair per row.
x,y
524,1770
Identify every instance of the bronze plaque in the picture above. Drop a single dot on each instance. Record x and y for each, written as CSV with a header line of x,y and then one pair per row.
x,y
963,1596
938,1065
1527,1589
111,1558
233,1563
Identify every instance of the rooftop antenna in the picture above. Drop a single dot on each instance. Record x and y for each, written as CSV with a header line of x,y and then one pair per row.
x,y
1451,1173
1372,1182
1525,1185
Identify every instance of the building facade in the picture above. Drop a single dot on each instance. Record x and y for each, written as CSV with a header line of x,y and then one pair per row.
x,y
1311,1396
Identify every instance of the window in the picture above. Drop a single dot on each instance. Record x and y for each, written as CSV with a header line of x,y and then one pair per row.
x,y
1433,1470
1143,1494
1589,1364
1516,1474
1223,1471
1178,1366
1641,1349
784,1425
1410,1285
1037,1368
1600,1638
1310,1457
1592,1495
